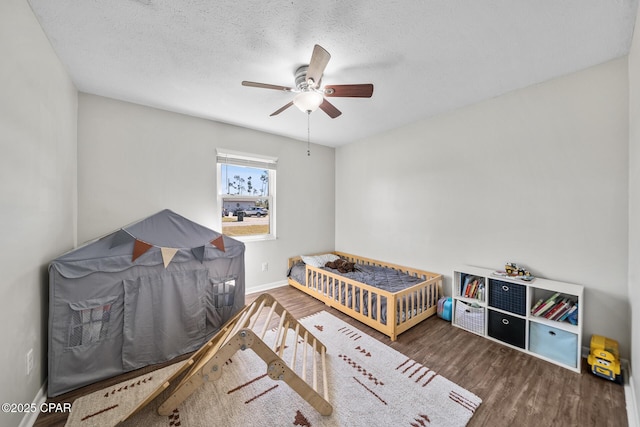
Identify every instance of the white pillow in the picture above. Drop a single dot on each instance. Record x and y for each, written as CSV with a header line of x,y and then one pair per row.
x,y
318,260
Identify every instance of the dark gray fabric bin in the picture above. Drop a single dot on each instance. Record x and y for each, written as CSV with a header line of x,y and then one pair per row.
x,y
508,296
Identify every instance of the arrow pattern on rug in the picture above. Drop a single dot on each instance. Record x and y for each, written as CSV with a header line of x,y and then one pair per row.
x,y
126,387
99,412
462,401
350,333
370,391
174,418
258,378
360,369
251,381
301,420
261,394
419,368
421,421
363,351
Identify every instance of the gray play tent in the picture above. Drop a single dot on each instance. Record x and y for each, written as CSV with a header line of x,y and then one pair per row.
x,y
143,294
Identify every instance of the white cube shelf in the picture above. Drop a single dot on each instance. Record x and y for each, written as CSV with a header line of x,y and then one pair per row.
x,y
499,308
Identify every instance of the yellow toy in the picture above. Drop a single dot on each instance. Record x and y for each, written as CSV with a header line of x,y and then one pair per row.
x,y
604,358
513,270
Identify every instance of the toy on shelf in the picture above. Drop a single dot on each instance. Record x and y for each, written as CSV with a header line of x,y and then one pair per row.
x,y
514,271
604,358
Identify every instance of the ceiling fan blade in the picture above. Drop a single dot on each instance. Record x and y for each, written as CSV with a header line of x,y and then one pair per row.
x,y
350,91
280,110
266,86
330,109
319,60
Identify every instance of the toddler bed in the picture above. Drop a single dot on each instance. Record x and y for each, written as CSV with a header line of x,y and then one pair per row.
x,y
387,297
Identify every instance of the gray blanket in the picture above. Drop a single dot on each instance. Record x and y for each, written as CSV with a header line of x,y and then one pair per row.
x,y
383,278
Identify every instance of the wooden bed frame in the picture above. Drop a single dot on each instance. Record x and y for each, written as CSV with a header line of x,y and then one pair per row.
x,y
400,316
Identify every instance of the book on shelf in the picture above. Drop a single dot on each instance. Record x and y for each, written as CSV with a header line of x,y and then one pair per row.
x,y
573,317
552,310
473,287
465,286
470,288
536,305
567,313
557,309
565,309
559,306
548,304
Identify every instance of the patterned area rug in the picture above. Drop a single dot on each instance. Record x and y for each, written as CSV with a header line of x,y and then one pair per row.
x,y
370,384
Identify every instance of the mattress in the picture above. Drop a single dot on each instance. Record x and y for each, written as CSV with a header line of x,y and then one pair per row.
x,y
384,278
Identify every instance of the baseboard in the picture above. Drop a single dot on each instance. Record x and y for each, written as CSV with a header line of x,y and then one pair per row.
x,y
630,395
633,416
266,287
30,418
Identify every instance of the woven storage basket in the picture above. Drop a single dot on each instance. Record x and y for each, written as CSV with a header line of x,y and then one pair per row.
x,y
470,318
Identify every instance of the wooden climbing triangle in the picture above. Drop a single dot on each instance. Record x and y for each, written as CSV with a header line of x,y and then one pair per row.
x,y
304,370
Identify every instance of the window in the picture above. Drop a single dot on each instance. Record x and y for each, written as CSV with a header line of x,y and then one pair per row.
x,y
246,189
220,302
89,321
223,292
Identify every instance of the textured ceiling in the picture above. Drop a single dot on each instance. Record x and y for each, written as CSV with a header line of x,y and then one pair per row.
x,y
423,56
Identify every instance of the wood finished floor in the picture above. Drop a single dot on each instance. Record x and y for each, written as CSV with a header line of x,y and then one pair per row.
x,y
516,389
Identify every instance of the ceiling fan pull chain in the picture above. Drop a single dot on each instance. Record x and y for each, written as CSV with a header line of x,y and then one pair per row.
x,y
308,133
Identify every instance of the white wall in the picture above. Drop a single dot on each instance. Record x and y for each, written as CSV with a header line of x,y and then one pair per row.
x,y
560,145
634,207
134,161
38,110
537,176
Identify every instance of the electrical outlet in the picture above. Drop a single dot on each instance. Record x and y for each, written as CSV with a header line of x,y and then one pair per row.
x,y
29,361
265,266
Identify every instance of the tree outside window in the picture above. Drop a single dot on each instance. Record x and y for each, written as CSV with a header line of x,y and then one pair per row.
x,y
247,195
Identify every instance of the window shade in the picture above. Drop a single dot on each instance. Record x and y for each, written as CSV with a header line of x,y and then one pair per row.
x,y
239,159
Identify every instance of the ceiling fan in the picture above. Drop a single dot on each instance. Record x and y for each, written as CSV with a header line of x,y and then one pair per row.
x,y
310,95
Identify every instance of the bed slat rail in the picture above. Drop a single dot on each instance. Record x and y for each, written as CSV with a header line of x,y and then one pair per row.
x,y
404,309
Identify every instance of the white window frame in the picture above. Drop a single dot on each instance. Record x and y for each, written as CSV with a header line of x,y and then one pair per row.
x,y
255,161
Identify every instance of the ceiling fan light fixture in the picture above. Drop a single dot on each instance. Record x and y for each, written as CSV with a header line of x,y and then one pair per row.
x,y
308,101
311,94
